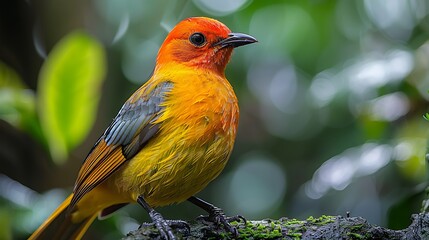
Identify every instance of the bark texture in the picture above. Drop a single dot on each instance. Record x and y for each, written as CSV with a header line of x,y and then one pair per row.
x,y
325,227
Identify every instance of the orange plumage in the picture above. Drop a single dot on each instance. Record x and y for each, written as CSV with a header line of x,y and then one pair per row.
x,y
169,140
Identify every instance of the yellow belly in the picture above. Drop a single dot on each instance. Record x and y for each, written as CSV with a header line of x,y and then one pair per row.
x,y
173,169
195,139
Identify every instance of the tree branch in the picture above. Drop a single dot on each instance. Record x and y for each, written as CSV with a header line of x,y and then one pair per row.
x,y
325,227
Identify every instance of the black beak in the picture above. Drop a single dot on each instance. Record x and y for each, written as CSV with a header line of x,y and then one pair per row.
x,y
236,40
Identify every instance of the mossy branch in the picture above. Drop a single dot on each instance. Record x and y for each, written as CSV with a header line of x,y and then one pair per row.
x,y
325,227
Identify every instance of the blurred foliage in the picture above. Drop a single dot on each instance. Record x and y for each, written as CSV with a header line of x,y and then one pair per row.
x,y
68,90
17,103
67,96
331,100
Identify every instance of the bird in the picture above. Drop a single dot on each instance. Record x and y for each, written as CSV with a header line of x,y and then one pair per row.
x,y
170,139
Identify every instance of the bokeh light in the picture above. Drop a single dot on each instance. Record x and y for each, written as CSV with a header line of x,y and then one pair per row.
x,y
331,104
257,186
221,7
338,172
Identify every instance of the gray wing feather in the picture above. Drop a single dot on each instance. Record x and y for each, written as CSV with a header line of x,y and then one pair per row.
x,y
133,126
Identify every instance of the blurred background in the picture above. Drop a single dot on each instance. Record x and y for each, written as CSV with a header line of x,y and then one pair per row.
x,y
332,100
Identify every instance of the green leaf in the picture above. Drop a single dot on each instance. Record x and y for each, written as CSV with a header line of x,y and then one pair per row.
x,y
17,107
426,116
9,78
18,104
15,101
69,92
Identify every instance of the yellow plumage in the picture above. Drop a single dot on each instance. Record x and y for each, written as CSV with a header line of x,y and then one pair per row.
x,y
169,140
197,133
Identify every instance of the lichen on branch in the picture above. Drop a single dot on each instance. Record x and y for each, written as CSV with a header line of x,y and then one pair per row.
x,y
324,227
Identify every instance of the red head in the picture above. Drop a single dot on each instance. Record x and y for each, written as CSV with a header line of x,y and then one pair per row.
x,y
201,42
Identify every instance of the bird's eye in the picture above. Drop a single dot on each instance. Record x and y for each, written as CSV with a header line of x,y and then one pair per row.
x,y
198,39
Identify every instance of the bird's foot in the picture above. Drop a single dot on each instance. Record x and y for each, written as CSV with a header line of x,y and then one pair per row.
x,y
218,217
178,225
161,224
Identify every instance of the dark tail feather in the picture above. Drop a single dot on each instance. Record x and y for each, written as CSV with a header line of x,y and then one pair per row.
x,y
105,213
59,225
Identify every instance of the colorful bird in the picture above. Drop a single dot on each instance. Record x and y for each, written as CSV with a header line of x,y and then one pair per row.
x,y
169,140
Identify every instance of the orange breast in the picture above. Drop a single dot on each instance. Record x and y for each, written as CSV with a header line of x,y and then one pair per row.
x,y
207,105
196,137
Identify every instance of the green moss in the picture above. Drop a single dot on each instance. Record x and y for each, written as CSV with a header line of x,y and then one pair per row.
x,y
234,223
355,236
259,231
356,228
294,222
323,220
295,234
353,232
261,227
272,229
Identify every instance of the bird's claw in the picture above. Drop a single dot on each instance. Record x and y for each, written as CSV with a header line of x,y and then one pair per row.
x,y
165,230
237,218
217,216
179,226
162,225
174,224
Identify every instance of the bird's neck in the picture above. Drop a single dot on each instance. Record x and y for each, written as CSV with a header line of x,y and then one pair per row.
x,y
174,67
213,60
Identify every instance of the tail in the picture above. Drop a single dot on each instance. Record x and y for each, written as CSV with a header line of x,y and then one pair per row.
x,y
60,226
